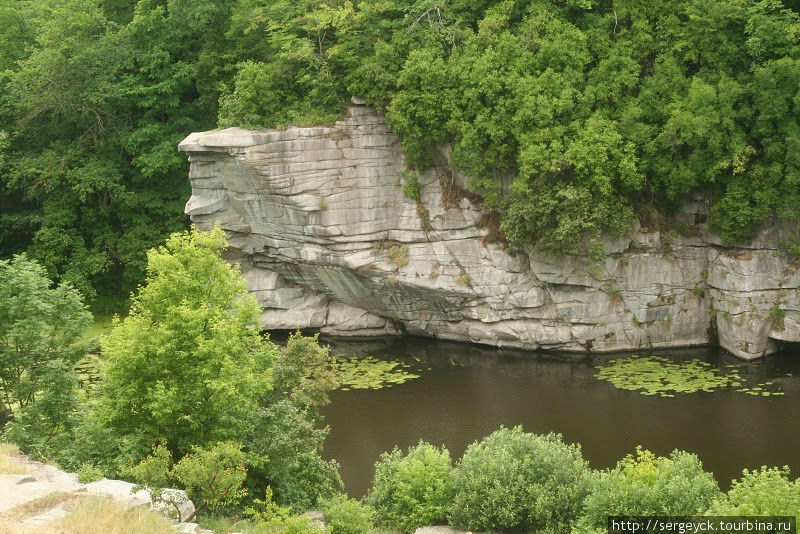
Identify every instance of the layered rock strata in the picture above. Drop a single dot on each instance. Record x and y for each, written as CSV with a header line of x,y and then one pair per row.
x,y
327,240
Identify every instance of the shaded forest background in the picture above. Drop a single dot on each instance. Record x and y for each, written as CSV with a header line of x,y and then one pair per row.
x,y
572,117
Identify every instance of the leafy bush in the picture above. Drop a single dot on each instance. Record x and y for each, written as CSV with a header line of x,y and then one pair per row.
x,y
512,480
645,484
347,516
290,433
271,517
414,489
768,491
212,477
88,473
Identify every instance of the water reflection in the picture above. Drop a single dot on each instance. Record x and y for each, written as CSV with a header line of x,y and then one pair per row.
x,y
470,391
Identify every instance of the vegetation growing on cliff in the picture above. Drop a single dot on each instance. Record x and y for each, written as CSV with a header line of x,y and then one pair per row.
x,y
569,115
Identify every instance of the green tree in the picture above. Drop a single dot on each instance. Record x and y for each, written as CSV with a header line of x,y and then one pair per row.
x,y
187,363
41,329
188,366
288,430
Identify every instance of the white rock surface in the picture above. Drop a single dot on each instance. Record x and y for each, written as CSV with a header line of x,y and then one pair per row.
x,y
41,480
326,239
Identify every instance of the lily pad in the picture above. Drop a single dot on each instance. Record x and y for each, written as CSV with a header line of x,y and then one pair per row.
x,y
653,375
372,373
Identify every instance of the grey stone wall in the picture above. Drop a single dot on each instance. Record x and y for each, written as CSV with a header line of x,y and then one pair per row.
x,y
326,239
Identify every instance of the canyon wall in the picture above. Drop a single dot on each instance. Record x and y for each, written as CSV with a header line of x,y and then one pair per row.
x,y
327,240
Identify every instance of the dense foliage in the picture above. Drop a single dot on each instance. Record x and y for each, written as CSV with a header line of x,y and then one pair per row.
x,y
344,515
190,393
516,481
569,115
645,484
41,329
413,489
186,363
768,491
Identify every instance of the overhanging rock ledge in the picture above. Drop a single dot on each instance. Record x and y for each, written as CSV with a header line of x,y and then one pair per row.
x,y
326,239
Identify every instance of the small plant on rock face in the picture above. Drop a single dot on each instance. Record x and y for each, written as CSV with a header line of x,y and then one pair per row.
x,y
776,317
794,250
411,187
424,215
615,296
398,255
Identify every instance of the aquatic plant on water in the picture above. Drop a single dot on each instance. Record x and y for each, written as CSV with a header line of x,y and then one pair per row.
x,y
372,373
653,375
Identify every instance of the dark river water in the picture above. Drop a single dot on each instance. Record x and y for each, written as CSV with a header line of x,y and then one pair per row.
x,y
470,391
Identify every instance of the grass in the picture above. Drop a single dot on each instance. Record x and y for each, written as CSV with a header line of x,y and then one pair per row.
x,y
9,466
104,515
219,523
99,327
37,506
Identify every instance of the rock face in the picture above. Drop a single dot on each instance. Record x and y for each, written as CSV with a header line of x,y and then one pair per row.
x,y
52,490
326,239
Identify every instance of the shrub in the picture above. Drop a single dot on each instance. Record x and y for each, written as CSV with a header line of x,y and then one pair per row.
x,y
89,473
212,477
412,490
347,516
765,492
512,480
645,484
271,517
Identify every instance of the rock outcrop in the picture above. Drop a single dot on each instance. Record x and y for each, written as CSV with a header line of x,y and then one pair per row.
x,y
35,496
327,240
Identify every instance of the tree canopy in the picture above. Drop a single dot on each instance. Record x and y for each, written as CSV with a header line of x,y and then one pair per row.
x,y
570,116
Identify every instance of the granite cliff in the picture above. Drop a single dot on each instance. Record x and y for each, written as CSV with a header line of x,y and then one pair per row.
x,y
327,240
